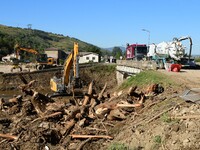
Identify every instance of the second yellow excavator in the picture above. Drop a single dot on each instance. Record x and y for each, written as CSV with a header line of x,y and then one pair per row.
x,y
42,61
67,81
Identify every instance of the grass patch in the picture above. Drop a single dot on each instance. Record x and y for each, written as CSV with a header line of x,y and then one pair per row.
x,y
146,78
166,118
157,139
157,142
118,146
197,59
104,68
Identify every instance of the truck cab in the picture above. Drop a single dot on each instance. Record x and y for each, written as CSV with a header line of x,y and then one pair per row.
x,y
136,51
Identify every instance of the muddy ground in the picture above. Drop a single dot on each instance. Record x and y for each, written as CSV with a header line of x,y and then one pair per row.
x,y
142,128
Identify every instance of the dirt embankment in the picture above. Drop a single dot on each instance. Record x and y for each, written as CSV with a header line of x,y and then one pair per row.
x,y
166,122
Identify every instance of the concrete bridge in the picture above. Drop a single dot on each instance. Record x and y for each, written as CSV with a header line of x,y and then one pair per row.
x,y
126,68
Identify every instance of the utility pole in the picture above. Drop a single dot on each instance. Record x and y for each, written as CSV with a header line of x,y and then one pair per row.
x,y
148,36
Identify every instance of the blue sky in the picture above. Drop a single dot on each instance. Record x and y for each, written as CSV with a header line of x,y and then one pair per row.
x,y
107,23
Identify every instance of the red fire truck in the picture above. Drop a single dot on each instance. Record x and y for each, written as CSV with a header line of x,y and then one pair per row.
x,y
136,51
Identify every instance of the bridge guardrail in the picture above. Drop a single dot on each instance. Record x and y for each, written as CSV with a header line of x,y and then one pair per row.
x,y
144,65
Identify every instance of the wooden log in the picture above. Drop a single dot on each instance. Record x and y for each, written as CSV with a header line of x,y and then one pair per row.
x,y
105,108
131,91
72,112
76,136
129,105
2,101
8,136
102,91
39,107
13,101
26,86
115,114
91,96
69,126
39,102
93,103
86,99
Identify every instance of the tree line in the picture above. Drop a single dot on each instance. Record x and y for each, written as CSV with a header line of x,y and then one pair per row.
x,y
40,40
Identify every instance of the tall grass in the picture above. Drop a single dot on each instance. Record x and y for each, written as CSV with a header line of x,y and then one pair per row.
x,y
145,78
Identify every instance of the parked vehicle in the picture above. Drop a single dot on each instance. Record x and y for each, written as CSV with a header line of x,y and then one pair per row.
x,y
136,51
171,52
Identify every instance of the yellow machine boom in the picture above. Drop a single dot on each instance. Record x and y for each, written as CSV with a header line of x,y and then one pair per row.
x,y
60,85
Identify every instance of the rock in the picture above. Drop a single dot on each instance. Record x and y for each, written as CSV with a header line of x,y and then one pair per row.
x,y
190,124
82,122
115,115
186,141
175,128
139,131
183,111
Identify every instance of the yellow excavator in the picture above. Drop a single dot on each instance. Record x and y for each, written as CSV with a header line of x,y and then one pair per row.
x,y
42,61
17,49
63,85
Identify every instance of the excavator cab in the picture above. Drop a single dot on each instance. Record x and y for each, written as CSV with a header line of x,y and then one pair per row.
x,y
65,83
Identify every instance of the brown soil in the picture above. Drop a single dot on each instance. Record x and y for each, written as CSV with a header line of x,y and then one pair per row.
x,y
138,131
162,133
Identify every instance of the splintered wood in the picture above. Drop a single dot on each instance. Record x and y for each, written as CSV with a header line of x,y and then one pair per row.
x,y
48,120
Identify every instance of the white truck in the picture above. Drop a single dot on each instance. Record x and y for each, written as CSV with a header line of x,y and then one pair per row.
x,y
172,52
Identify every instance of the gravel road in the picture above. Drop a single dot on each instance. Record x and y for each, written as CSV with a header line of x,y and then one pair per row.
x,y
189,76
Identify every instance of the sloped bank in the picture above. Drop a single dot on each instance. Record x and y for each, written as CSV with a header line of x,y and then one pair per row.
x,y
165,122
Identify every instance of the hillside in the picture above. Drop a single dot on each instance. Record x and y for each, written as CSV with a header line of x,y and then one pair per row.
x,y
39,40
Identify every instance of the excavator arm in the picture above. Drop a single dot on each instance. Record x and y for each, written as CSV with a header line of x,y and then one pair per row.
x,y
29,50
190,39
60,85
67,66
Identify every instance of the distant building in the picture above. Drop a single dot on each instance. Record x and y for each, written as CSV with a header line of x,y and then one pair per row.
x,y
56,54
109,59
86,57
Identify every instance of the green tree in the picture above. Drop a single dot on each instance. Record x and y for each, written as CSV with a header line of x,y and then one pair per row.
x,y
117,52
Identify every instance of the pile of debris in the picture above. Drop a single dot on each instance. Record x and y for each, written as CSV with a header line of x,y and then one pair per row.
x,y
44,122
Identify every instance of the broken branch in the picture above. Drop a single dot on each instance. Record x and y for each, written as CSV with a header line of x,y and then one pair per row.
x,y
86,100
101,93
76,136
129,105
9,137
